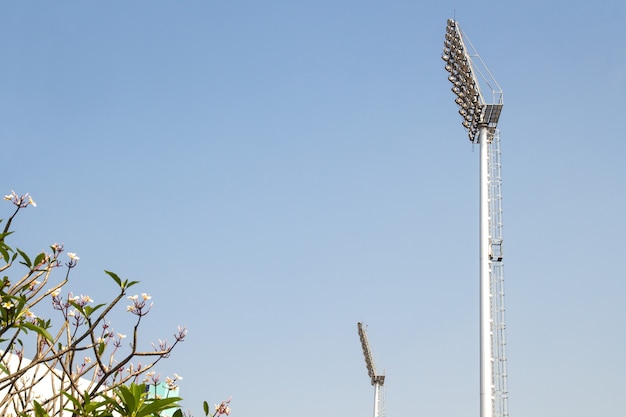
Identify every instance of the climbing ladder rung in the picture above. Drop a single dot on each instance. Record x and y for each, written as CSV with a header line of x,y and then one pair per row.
x,y
498,343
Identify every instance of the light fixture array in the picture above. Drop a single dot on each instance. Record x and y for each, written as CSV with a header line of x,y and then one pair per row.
x,y
464,84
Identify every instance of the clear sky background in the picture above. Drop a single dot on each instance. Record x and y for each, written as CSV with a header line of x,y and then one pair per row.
x,y
274,172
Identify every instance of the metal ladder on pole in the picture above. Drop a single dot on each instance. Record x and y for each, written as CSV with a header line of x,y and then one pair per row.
x,y
498,329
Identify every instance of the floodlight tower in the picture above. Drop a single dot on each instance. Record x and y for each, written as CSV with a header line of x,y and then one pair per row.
x,y
480,118
377,380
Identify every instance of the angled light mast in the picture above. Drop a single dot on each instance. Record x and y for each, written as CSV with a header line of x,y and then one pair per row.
x,y
377,380
480,113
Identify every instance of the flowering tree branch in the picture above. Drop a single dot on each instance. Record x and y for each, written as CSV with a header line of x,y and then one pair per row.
x,y
44,372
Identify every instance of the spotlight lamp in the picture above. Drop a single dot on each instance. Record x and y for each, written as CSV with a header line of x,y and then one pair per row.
x,y
462,69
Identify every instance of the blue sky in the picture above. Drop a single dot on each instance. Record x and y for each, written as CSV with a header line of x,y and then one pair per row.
x,y
274,172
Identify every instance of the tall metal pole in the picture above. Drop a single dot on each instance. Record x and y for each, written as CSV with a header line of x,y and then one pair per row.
x,y
480,119
486,331
376,398
377,380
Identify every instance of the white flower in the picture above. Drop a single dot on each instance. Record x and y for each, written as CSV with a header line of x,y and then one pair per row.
x,y
8,197
132,297
73,256
7,305
56,293
178,377
120,335
31,201
145,296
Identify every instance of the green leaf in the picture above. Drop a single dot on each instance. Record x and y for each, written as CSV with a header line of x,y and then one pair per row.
x,y
101,347
39,259
115,404
39,411
74,400
157,405
133,401
115,277
75,305
3,235
206,408
127,397
139,391
178,413
39,330
4,253
89,310
84,406
27,261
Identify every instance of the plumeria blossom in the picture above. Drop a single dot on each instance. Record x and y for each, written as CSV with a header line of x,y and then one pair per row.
x,y
73,259
139,305
13,197
223,408
181,333
20,201
57,248
29,314
84,299
171,382
162,346
152,378
8,305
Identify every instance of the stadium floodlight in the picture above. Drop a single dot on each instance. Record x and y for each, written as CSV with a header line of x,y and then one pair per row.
x,y
480,114
378,380
464,64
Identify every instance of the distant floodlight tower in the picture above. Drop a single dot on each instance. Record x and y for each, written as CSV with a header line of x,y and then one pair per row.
x,y
480,119
377,380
